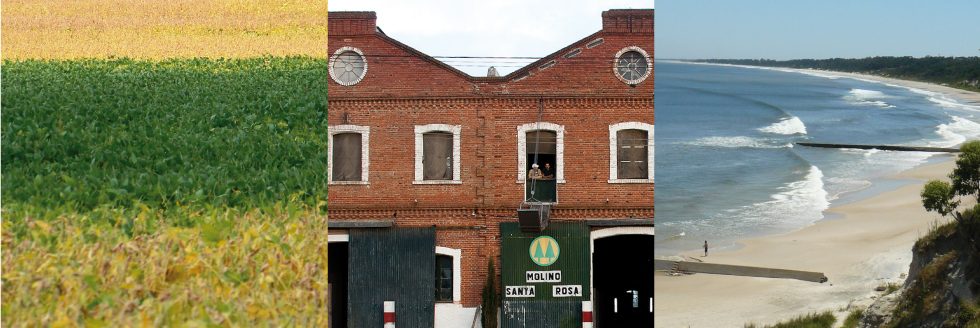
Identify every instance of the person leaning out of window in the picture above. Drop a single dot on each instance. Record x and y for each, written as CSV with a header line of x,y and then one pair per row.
x,y
535,173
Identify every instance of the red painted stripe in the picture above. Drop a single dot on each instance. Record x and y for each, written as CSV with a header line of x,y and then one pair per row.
x,y
389,317
586,316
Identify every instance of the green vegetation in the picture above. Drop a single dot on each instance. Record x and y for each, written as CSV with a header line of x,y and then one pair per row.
x,y
937,233
185,192
238,269
853,319
243,133
924,298
945,197
889,288
959,72
812,320
950,250
491,297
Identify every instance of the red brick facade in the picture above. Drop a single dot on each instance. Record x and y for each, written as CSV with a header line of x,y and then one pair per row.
x,y
404,88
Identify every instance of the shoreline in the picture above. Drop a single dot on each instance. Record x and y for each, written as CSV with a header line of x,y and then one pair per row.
x,y
867,244
964,97
860,244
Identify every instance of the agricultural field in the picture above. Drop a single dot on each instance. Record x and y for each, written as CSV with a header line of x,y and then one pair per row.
x,y
160,29
164,192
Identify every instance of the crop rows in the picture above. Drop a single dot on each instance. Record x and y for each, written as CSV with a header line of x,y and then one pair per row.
x,y
233,269
184,192
238,133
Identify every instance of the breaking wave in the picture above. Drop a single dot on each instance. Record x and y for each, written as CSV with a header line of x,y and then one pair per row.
x,y
868,97
739,142
940,99
957,132
786,126
797,202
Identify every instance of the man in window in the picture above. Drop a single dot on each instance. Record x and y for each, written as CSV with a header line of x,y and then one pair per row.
x,y
535,173
548,172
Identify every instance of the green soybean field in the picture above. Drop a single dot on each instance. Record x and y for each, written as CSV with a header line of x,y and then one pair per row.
x,y
166,192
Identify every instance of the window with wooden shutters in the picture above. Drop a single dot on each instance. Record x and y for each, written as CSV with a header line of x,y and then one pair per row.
x,y
346,157
632,154
444,278
347,154
437,156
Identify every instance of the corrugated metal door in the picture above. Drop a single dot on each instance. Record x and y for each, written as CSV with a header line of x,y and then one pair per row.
x,y
396,264
544,310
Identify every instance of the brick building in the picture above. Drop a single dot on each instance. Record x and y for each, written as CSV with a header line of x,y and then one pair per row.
x,y
429,165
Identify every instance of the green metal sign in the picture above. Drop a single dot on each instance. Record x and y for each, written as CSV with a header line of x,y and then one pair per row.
x,y
544,251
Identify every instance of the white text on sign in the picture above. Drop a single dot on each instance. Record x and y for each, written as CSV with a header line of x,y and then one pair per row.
x,y
566,291
543,276
519,291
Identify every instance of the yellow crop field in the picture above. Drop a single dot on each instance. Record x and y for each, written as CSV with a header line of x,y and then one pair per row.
x,y
177,192
233,269
152,29
163,163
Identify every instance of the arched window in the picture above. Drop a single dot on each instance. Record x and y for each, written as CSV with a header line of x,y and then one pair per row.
x,y
437,151
448,275
631,153
548,140
347,153
444,278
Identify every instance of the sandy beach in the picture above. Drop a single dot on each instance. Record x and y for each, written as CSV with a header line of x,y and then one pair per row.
x,y
963,96
868,245
959,95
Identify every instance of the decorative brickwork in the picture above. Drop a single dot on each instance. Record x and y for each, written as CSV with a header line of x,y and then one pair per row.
x,y
580,96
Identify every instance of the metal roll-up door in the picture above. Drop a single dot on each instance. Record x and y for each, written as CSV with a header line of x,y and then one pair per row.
x,y
393,264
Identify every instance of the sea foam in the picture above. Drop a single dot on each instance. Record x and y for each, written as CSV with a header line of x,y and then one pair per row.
x,y
786,126
798,202
868,97
739,142
957,132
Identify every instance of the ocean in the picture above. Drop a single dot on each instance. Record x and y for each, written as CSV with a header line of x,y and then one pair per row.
x,y
727,167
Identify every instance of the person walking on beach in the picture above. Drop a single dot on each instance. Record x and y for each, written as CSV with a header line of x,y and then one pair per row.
x,y
705,248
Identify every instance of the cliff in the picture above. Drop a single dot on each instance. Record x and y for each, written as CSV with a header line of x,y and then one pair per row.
x,y
942,287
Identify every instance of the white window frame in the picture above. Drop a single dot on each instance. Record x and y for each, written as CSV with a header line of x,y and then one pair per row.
x,y
423,129
457,256
610,232
614,154
522,131
334,58
365,132
641,52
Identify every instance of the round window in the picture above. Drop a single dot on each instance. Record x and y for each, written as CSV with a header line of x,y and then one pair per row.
x,y
632,65
348,66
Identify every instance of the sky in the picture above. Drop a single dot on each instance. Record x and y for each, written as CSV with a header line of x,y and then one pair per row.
x,y
775,29
489,28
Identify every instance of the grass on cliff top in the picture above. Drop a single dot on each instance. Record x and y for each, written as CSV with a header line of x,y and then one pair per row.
x,y
812,320
852,319
163,29
924,297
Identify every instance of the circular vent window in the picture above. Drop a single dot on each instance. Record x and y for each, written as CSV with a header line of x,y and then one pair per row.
x,y
632,65
348,66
